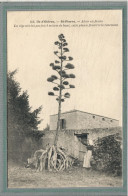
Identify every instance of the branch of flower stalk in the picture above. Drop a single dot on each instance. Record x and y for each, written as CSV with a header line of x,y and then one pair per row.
x,y
57,72
55,82
64,97
66,88
58,78
65,69
64,52
57,55
64,79
67,60
56,95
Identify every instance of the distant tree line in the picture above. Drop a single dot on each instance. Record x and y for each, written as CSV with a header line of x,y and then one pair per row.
x,y
22,122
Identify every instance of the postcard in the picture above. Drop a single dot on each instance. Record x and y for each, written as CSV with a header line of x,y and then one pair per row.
x,y
66,99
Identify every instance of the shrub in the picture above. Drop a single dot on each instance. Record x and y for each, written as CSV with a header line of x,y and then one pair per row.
x,y
107,155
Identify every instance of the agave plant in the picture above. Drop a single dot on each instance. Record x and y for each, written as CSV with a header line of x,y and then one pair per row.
x,y
61,66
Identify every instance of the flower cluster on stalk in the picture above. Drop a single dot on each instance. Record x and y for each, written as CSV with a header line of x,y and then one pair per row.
x,y
62,65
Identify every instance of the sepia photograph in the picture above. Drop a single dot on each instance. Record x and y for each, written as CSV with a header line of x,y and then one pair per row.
x,y
65,98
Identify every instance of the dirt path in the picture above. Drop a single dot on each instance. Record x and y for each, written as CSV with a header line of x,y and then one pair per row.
x,y
20,177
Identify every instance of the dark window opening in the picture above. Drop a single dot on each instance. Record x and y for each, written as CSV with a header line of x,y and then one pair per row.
x,y
94,117
111,120
63,123
103,118
83,138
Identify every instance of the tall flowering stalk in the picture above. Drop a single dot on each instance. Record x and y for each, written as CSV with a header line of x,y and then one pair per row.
x,y
62,65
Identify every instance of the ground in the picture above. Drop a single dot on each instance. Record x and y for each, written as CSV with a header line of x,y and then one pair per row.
x,y
21,177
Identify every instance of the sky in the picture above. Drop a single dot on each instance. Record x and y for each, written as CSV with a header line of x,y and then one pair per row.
x,y
97,54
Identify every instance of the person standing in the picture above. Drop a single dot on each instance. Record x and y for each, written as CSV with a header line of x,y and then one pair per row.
x,y
88,155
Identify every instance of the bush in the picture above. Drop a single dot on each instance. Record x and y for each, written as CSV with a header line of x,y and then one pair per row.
x,y
107,155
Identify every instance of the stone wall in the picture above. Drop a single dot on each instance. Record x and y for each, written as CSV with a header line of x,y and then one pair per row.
x,y
69,141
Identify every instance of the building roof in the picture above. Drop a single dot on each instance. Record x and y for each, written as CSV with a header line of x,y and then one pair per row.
x,y
71,111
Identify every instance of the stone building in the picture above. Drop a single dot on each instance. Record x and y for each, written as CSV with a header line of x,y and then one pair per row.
x,y
76,128
77,120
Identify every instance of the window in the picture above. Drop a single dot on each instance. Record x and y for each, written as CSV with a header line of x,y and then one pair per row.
x,y
94,117
103,118
62,123
83,138
111,120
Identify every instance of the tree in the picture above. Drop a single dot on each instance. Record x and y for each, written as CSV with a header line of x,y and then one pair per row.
x,y
61,66
21,120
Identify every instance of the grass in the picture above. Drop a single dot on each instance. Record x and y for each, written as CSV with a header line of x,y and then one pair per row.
x,y
21,177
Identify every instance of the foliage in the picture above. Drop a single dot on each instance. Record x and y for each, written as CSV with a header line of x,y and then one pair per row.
x,y
21,120
107,155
